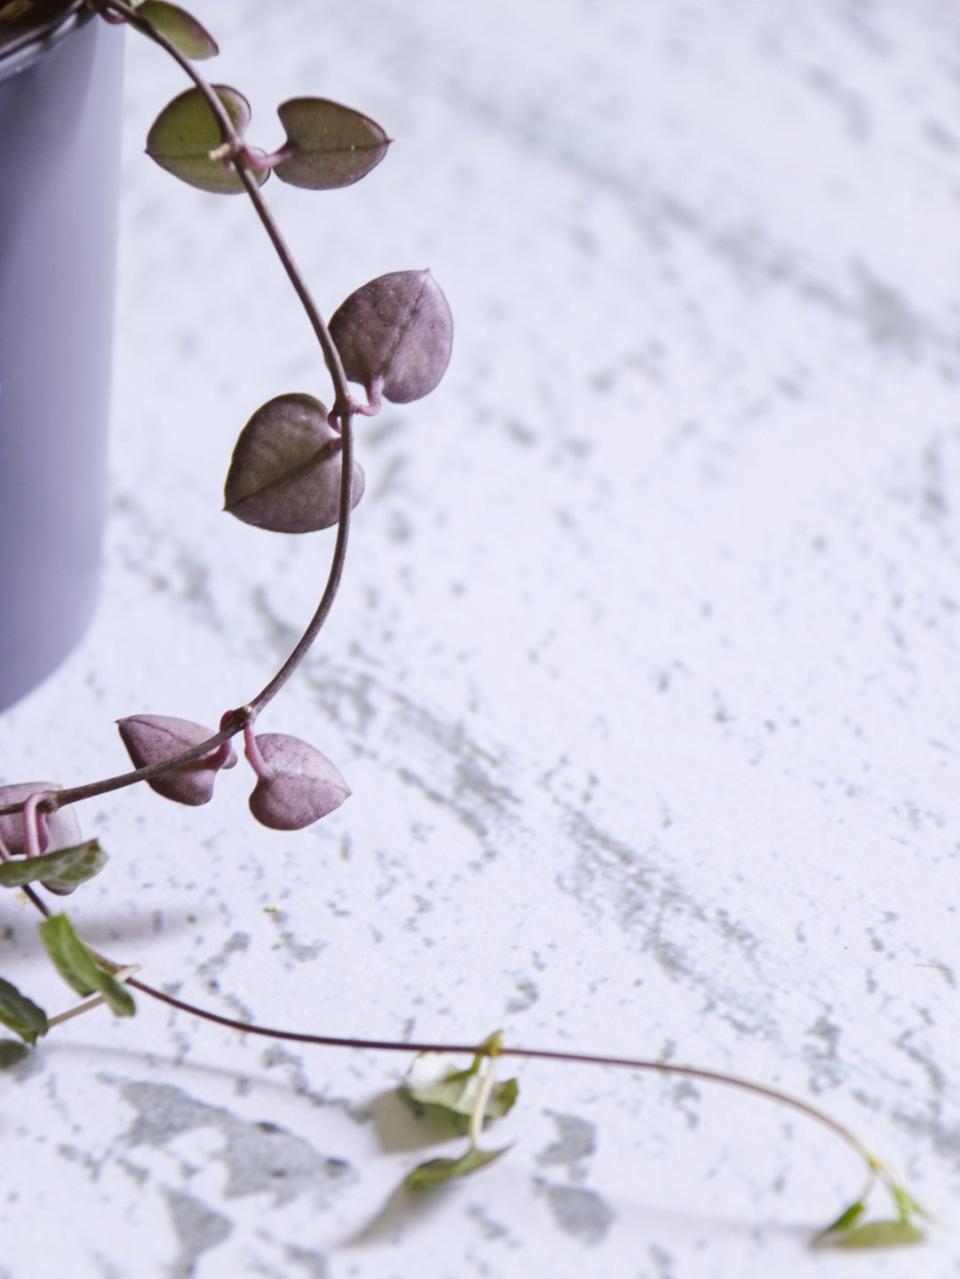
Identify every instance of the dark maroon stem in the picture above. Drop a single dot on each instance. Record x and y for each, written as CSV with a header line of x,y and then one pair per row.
x,y
530,1054
36,900
303,645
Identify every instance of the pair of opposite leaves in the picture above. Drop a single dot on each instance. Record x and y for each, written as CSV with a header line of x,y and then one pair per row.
x,y
296,786
394,336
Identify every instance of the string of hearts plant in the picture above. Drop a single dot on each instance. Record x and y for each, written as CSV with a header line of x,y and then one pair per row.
x,y
293,471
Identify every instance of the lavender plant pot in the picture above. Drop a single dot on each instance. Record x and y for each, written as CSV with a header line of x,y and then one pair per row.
x,y
59,176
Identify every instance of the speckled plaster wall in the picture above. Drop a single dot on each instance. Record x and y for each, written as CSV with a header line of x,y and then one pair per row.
x,y
644,671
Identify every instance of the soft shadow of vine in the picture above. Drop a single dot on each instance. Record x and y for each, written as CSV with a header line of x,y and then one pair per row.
x,y
399,1129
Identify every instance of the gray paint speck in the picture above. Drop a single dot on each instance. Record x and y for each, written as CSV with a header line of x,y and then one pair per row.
x,y
578,1212
576,1142
198,1228
258,1157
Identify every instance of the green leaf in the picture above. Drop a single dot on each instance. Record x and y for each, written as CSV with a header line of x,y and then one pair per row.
x,y
327,145
11,1052
434,1083
843,1222
20,1014
887,1233
66,868
15,9
186,131
80,968
181,29
906,1204
437,1172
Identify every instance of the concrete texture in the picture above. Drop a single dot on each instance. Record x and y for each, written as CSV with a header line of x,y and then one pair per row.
x,y
643,673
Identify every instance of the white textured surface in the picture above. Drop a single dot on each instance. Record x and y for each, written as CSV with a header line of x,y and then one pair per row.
x,y
643,673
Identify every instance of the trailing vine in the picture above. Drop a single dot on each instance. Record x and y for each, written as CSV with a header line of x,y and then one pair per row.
x,y
293,470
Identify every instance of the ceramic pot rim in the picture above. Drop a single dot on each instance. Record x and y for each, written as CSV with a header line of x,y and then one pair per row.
x,y
33,43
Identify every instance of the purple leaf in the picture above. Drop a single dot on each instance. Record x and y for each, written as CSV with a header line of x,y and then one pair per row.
x,y
285,470
296,785
395,335
59,829
151,739
327,145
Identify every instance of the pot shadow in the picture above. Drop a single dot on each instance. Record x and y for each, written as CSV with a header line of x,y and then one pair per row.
x,y
405,1208
104,929
177,1071
119,1060
399,1129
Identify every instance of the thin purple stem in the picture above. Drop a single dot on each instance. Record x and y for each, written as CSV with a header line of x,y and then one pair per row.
x,y
343,409
260,160
303,645
253,753
374,397
74,794
32,833
531,1054
354,406
223,756
331,356
36,900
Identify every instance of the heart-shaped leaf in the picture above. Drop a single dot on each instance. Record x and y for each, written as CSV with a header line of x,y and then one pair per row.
x,y
434,1083
327,145
80,968
285,470
61,871
395,335
186,131
151,739
296,784
20,1014
181,29
59,829
437,1172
